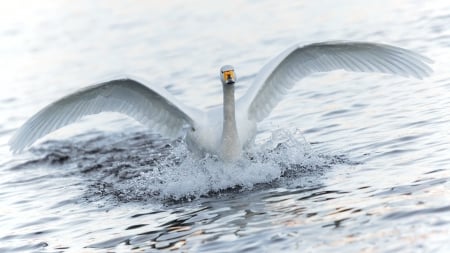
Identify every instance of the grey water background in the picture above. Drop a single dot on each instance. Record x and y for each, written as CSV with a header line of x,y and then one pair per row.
x,y
346,163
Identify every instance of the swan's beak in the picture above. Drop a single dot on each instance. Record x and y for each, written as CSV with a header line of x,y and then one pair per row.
x,y
228,77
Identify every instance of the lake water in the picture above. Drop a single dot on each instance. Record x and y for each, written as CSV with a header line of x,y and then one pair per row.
x,y
346,163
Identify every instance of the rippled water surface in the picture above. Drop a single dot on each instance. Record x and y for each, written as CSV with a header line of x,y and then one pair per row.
x,y
346,163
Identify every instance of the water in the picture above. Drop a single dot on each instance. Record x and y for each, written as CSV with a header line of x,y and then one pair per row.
x,y
347,162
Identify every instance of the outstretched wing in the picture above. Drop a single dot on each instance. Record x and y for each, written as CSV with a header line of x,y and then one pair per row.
x,y
153,107
280,74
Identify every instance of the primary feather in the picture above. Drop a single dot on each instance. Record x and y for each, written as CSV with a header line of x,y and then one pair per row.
x,y
297,62
154,108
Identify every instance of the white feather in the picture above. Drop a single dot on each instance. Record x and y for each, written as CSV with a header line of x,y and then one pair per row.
x,y
155,108
295,63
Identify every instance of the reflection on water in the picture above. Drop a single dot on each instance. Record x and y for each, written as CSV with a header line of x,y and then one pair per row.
x,y
367,172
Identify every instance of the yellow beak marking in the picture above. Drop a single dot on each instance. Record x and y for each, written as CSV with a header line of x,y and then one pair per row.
x,y
227,75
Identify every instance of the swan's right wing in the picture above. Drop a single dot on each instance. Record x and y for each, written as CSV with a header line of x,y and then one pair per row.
x,y
155,108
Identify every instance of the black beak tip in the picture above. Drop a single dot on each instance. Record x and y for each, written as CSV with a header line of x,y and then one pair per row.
x,y
230,81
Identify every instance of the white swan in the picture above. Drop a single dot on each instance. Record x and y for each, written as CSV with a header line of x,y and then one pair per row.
x,y
220,130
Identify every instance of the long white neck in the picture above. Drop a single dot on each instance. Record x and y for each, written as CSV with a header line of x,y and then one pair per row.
x,y
230,146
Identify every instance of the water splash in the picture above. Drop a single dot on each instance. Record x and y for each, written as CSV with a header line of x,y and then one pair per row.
x,y
141,166
176,175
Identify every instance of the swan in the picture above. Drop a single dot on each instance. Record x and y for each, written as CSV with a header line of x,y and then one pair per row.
x,y
224,130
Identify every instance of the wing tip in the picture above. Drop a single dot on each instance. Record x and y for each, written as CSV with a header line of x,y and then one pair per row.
x,y
15,147
20,140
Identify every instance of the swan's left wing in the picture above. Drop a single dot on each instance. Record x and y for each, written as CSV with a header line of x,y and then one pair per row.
x,y
280,74
153,107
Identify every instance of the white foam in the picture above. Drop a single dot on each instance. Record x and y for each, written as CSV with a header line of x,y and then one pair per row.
x,y
178,175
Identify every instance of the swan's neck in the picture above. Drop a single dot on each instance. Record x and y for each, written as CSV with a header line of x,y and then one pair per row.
x,y
230,146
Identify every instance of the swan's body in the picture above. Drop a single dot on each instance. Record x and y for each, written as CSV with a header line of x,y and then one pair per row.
x,y
224,130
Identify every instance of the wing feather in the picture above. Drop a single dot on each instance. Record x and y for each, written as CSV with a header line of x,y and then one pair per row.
x,y
279,75
153,107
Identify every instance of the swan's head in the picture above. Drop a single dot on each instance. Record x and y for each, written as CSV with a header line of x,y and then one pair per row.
x,y
227,75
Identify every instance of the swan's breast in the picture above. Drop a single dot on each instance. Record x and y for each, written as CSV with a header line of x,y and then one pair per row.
x,y
207,136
